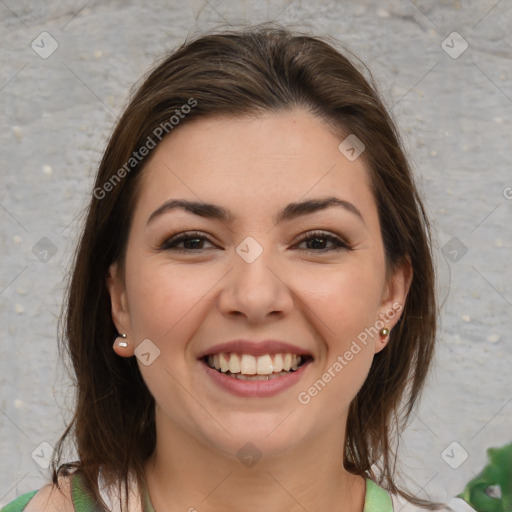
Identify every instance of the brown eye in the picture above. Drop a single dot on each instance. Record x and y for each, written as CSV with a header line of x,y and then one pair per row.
x,y
316,242
192,241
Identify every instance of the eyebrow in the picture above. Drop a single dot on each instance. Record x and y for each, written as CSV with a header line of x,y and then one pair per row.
x,y
290,212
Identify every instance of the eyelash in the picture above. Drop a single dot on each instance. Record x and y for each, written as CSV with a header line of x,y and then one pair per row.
x,y
171,243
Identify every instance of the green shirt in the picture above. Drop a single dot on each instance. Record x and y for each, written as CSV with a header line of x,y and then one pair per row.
x,y
376,499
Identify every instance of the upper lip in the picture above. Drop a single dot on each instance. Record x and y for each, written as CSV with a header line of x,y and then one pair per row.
x,y
255,348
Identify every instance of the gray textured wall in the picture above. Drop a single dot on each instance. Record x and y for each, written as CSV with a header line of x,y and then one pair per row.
x,y
452,103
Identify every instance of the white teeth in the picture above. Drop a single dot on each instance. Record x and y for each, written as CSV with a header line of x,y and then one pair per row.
x,y
234,364
224,362
264,365
278,363
240,376
247,364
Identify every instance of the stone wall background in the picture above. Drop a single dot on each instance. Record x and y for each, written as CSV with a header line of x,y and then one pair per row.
x,y
453,105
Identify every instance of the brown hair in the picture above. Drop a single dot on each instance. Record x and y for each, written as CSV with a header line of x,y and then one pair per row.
x,y
238,73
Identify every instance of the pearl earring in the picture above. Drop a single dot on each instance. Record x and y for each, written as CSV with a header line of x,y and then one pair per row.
x,y
384,333
119,341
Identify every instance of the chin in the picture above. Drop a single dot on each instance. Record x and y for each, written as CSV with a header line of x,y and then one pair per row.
x,y
256,440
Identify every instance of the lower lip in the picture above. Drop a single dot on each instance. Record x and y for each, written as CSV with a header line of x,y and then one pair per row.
x,y
256,388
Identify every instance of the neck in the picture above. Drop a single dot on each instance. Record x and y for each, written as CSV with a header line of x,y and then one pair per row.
x,y
184,474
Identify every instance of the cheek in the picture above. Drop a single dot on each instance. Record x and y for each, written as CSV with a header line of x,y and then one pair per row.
x,y
342,304
162,298
345,300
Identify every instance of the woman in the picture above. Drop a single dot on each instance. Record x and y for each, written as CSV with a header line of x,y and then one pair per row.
x,y
256,247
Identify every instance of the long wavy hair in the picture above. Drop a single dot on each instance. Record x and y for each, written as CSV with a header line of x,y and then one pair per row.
x,y
237,73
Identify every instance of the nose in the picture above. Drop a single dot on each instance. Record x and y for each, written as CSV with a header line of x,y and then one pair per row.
x,y
256,290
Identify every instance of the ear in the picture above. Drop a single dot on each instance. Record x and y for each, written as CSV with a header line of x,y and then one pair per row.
x,y
119,305
394,295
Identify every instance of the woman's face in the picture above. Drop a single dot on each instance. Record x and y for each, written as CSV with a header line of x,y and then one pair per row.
x,y
267,261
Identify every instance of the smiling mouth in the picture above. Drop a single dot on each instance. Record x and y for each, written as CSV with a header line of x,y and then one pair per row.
x,y
249,367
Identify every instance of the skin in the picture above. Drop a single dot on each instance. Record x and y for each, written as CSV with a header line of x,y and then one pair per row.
x,y
185,302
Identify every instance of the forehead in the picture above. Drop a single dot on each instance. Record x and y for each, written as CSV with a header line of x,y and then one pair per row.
x,y
253,162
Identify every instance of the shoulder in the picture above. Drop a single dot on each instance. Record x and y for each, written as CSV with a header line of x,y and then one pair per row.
x,y
46,499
